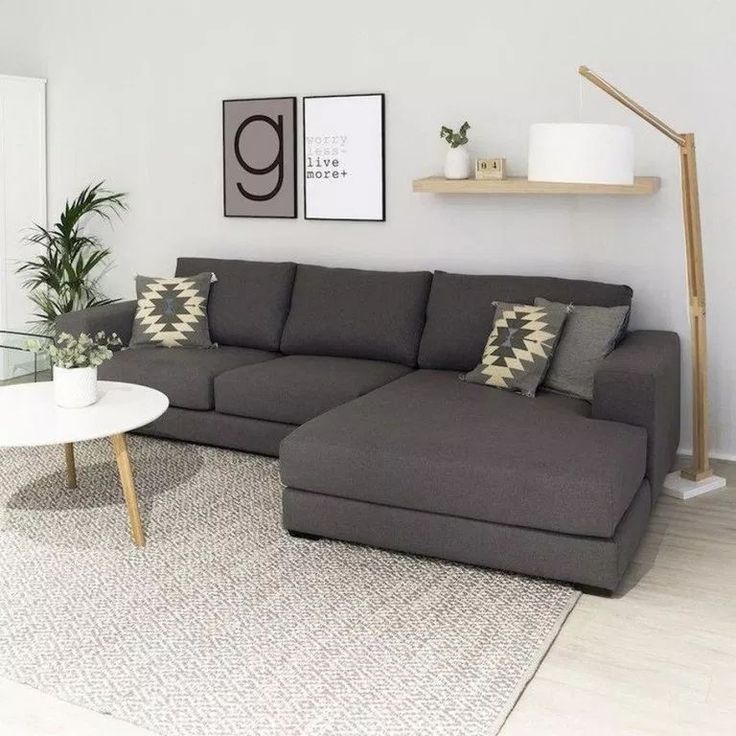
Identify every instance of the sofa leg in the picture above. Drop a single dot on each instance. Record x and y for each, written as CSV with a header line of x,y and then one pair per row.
x,y
303,535
593,590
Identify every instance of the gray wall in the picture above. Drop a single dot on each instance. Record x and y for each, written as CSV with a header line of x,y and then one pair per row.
x,y
134,97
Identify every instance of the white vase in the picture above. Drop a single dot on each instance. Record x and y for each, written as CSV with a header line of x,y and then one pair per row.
x,y
75,387
457,163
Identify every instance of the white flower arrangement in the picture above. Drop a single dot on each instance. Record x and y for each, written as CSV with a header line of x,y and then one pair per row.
x,y
85,351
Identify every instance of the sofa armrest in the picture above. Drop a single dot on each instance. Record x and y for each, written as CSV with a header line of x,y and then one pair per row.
x,y
108,318
639,384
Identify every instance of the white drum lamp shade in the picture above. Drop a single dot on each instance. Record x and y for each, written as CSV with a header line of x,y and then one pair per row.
x,y
582,153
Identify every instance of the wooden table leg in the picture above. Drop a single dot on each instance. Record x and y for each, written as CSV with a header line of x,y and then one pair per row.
x,y
71,469
120,447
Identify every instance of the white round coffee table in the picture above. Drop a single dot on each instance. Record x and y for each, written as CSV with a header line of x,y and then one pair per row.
x,y
31,418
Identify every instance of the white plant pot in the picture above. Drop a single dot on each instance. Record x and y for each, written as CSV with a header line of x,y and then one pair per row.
x,y
457,163
75,387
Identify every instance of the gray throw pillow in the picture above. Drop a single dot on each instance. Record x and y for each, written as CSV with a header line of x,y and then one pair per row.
x,y
172,312
519,347
589,335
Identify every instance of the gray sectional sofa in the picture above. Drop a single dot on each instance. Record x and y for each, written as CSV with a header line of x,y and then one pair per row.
x,y
352,378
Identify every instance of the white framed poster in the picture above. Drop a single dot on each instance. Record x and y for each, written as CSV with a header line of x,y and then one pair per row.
x,y
344,151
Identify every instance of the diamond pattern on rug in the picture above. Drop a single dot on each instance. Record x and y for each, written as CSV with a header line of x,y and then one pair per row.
x,y
223,625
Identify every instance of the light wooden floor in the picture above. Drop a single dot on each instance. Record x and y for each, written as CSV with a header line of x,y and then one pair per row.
x,y
661,657
658,659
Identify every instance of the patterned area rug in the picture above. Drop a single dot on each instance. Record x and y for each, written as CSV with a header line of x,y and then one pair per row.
x,y
225,625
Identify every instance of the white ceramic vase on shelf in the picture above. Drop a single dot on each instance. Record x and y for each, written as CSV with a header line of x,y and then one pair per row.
x,y
457,163
75,387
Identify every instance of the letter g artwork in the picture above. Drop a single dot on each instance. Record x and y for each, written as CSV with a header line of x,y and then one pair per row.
x,y
259,157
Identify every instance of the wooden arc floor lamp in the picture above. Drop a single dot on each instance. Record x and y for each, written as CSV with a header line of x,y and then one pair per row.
x,y
698,478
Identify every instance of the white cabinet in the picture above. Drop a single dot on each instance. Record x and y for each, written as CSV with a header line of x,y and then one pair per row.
x,y
22,199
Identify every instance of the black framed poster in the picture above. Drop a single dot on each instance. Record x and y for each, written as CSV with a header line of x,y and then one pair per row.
x,y
259,157
344,152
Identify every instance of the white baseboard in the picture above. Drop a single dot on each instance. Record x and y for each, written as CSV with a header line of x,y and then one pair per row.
x,y
728,457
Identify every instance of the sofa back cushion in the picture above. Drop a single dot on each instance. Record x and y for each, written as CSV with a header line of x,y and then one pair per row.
x,y
345,312
248,302
460,310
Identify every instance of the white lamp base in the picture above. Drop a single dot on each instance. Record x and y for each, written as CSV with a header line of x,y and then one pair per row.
x,y
678,487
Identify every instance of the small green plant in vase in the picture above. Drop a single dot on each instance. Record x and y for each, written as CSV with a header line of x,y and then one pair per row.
x,y
457,161
75,361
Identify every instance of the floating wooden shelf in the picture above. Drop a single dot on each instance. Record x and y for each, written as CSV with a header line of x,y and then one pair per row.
x,y
521,185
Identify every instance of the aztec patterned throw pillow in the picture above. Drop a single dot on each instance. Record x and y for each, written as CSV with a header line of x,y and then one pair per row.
x,y
519,348
172,312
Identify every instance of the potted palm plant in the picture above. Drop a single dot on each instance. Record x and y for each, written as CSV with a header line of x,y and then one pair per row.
x,y
64,276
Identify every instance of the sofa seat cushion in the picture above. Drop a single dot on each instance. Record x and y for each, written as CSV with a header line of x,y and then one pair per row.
x,y
430,442
295,388
183,374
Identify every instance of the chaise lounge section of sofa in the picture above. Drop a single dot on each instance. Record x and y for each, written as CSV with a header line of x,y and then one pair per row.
x,y
352,378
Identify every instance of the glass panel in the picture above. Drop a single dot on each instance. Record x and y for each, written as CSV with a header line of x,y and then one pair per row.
x,y
17,364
